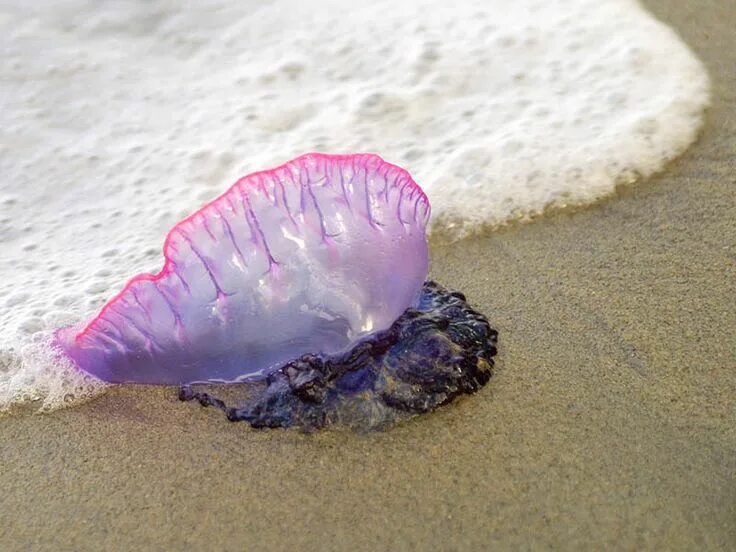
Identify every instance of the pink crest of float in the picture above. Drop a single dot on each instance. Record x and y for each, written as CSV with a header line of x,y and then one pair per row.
x,y
308,257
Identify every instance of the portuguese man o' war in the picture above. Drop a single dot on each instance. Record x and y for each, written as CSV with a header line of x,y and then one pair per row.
x,y
309,277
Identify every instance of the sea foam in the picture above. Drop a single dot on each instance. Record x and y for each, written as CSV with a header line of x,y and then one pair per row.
x,y
118,119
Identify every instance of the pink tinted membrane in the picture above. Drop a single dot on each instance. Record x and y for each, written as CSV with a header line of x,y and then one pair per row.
x,y
308,257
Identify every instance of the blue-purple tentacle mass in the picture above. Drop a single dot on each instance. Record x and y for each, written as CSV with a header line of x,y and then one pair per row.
x,y
436,351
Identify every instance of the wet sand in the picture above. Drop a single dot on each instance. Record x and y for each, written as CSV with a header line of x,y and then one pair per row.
x,y
610,421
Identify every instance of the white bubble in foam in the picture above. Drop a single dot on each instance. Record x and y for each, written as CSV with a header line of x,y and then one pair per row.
x,y
136,113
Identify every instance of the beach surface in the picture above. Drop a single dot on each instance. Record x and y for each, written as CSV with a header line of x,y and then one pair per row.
x,y
610,422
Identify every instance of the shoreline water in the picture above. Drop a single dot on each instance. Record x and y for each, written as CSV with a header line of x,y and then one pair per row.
x,y
609,422
499,111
